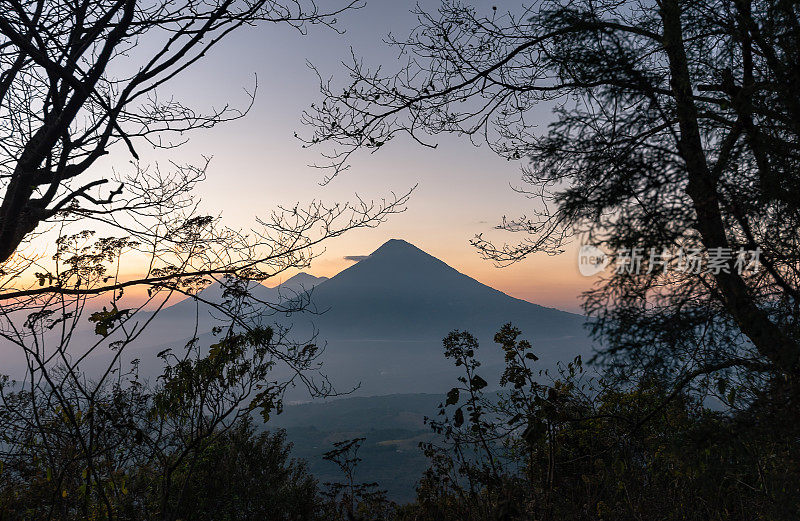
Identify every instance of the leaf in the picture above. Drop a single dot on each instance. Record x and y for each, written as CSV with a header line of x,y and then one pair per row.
x,y
452,396
534,431
478,383
105,319
458,419
214,350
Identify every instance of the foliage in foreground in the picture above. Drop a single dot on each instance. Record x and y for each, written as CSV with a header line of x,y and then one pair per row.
x,y
242,475
542,448
167,450
580,448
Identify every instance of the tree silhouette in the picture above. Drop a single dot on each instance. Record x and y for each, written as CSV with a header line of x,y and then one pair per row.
x,y
79,81
674,129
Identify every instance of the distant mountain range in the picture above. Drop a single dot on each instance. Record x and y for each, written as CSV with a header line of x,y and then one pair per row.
x,y
382,321
283,292
401,292
178,320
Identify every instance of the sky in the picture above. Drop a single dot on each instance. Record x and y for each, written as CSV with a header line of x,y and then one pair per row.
x,y
258,164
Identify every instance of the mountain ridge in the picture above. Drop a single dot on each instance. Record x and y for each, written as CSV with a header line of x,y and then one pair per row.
x,y
381,322
403,287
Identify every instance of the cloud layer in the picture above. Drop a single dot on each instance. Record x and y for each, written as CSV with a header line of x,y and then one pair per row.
x,y
355,258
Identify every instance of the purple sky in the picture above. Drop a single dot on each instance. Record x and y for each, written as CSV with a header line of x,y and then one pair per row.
x,y
258,164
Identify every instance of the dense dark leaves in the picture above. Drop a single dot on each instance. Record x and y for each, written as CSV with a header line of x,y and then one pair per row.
x,y
573,446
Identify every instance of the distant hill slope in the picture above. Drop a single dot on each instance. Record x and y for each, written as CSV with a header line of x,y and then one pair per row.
x,y
382,320
392,425
400,292
178,320
286,291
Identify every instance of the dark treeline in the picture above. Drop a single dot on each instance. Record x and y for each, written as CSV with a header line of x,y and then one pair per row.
x,y
576,447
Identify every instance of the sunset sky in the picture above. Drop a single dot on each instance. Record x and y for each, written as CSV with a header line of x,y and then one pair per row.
x,y
258,164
